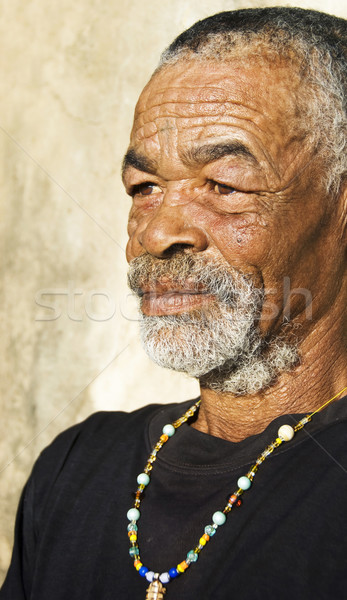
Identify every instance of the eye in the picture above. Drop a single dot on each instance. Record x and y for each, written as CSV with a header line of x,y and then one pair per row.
x,y
222,189
145,189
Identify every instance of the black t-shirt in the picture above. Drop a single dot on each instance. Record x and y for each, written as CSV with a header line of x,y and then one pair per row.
x,y
288,540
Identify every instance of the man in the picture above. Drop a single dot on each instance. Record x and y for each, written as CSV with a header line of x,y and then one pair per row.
x,y
237,231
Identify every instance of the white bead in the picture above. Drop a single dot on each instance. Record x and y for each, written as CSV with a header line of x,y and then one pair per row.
x,y
244,483
143,479
150,576
164,577
286,432
219,518
169,430
133,514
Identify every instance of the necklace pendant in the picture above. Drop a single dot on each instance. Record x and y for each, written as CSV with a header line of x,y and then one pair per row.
x,y
155,591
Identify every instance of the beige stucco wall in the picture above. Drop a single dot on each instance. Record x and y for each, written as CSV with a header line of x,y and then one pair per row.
x,y
70,75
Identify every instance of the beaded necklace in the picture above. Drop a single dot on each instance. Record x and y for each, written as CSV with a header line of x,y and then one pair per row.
x,y
156,589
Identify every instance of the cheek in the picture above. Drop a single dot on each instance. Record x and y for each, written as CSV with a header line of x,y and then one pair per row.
x,y
241,239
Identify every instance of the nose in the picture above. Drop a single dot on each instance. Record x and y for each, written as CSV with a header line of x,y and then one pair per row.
x,y
169,230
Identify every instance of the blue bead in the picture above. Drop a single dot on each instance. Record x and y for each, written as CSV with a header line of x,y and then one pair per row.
x,y
244,483
169,430
192,556
143,479
210,530
219,518
143,571
133,514
173,573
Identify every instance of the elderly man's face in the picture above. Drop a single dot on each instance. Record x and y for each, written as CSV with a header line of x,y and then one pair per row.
x,y
222,167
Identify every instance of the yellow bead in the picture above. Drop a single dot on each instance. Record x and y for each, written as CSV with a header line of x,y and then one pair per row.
x,y
202,541
182,567
138,565
133,537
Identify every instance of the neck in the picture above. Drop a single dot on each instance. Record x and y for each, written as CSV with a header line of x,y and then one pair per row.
x,y
321,374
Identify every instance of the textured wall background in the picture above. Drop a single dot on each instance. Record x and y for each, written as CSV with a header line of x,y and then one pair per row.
x,y
70,76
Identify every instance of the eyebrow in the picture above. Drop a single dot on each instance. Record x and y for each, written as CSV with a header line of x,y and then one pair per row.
x,y
202,155
139,162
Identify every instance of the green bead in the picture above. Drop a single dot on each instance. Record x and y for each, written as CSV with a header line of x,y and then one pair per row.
x,y
134,551
132,527
192,556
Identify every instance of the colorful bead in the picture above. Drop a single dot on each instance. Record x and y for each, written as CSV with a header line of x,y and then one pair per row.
x,y
219,518
232,499
143,479
192,556
286,432
182,566
133,514
169,430
210,530
244,483
173,573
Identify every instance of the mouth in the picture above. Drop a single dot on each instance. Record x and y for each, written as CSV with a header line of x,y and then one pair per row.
x,y
165,301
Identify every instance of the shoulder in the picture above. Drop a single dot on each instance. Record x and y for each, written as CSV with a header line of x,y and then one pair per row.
x,y
85,456
94,440
99,429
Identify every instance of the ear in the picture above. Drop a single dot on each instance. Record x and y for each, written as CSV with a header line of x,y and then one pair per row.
x,y
342,210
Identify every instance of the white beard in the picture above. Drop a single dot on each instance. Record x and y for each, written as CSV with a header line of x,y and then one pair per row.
x,y
219,343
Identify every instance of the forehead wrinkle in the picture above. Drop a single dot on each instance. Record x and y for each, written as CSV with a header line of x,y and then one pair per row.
x,y
182,109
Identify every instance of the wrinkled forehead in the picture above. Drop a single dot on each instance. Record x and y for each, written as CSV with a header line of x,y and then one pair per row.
x,y
195,92
194,101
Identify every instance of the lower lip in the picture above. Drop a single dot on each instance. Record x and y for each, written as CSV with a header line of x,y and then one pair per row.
x,y
174,303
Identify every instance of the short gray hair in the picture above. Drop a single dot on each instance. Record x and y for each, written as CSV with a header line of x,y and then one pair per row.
x,y
314,42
